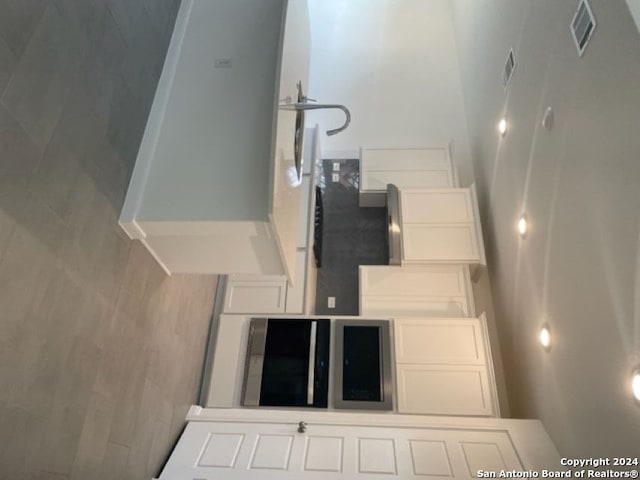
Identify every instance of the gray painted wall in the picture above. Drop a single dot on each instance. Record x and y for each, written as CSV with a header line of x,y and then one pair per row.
x,y
579,267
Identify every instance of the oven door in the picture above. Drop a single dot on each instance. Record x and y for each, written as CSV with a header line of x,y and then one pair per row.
x,y
287,363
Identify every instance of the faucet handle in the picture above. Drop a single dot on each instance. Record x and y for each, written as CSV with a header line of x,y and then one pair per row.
x,y
302,98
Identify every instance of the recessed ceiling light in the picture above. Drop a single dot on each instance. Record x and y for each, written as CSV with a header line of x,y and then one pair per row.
x,y
547,118
502,126
635,384
545,337
522,226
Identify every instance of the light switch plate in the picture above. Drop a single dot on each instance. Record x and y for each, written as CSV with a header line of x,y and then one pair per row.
x,y
331,302
336,166
335,177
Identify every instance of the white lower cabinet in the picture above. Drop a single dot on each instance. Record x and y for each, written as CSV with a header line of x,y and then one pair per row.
x,y
255,294
444,367
416,290
268,294
444,390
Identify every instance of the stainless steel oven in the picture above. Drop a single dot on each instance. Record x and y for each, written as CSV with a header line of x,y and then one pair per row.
x,y
287,363
362,366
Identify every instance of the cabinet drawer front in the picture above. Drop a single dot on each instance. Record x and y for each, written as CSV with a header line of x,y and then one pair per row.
x,y
437,206
450,341
453,243
432,178
403,158
443,390
395,306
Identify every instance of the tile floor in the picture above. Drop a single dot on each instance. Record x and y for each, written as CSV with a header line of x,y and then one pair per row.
x,y
100,352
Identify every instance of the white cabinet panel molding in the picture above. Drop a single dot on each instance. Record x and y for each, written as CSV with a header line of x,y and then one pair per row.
x,y
436,206
441,226
416,290
439,243
440,341
444,367
446,280
443,390
247,295
423,167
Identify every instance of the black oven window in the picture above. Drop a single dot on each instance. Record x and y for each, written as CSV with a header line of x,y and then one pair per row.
x,y
362,372
286,363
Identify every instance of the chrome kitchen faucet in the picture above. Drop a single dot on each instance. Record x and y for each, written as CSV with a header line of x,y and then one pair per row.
x,y
302,104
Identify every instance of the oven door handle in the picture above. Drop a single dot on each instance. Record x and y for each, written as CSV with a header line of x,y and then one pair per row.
x,y
394,230
311,377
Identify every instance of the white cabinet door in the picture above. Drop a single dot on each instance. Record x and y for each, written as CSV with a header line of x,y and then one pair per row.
x,y
440,226
444,390
255,294
405,168
424,243
444,205
416,290
270,451
439,341
444,367
435,280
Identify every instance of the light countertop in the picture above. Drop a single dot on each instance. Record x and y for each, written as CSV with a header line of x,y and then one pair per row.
x,y
286,196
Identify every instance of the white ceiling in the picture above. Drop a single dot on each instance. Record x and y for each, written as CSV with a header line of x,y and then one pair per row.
x,y
579,267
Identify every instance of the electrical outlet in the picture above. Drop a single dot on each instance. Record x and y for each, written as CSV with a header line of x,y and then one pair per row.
x,y
331,302
222,63
335,178
336,166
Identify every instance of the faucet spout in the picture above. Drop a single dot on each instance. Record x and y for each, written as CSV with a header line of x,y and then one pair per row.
x,y
301,106
321,106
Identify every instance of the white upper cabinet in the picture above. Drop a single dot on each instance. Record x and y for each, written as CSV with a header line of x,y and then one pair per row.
x,y
416,290
444,367
440,226
404,167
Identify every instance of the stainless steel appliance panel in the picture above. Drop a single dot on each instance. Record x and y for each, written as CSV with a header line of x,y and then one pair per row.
x,y
394,231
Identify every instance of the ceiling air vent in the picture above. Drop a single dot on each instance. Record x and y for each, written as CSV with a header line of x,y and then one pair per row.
x,y
509,66
582,26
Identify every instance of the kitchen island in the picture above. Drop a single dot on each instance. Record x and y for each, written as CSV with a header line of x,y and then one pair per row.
x,y
215,189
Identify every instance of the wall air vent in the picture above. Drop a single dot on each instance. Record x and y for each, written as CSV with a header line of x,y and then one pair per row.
x,y
582,26
509,66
